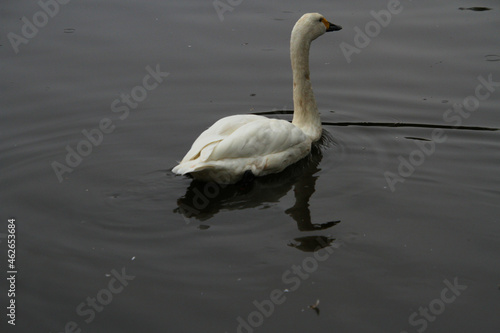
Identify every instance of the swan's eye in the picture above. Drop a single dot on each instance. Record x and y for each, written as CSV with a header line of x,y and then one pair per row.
x,y
320,20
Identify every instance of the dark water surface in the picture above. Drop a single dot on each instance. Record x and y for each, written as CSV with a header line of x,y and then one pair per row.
x,y
393,224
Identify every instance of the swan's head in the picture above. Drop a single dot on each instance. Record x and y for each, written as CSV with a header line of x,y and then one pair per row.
x,y
313,25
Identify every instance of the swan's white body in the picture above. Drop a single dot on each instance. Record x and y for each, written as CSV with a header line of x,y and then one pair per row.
x,y
236,144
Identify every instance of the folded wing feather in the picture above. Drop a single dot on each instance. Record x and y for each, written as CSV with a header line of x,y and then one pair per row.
x,y
246,142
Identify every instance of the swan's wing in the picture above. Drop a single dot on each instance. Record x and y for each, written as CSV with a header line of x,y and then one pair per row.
x,y
239,143
244,136
206,142
258,138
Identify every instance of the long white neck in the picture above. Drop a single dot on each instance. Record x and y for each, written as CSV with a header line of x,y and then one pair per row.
x,y
306,115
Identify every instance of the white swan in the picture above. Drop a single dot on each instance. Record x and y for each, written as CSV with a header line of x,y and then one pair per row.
x,y
238,144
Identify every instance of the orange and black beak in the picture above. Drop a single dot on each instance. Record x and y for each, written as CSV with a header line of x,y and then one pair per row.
x,y
333,27
330,26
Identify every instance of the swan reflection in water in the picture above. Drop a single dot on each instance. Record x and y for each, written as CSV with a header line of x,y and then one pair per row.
x,y
203,200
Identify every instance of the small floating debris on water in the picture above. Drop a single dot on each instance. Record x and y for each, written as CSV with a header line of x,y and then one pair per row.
x,y
315,307
203,227
69,30
475,9
436,63
133,258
